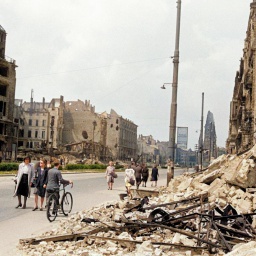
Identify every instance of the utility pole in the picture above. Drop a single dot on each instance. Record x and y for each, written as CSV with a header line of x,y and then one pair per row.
x,y
173,113
201,134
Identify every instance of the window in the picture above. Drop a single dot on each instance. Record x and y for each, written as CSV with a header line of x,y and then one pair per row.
x,y
36,134
3,71
3,90
29,134
36,122
30,122
2,108
43,122
21,133
43,134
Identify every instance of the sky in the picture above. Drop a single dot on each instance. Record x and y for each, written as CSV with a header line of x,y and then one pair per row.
x,y
117,54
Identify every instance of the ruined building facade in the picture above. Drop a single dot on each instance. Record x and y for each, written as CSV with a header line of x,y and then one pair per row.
x,y
105,136
242,120
8,124
74,127
40,124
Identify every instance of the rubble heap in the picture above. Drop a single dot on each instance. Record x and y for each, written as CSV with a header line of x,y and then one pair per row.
x,y
205,213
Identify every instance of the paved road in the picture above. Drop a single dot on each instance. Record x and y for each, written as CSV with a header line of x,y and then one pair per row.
x,y
89,190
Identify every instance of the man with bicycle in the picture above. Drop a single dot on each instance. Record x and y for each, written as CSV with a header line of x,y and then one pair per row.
x,y
54,179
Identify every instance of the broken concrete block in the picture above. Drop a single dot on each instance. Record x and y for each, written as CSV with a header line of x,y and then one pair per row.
x,y
184,184
209,178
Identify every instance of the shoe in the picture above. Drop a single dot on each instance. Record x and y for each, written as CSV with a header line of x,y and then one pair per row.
x,y
35,209
24,207
41,209
19,205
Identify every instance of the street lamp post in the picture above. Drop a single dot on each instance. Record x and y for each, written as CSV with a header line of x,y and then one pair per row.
x,y
173,113
201,134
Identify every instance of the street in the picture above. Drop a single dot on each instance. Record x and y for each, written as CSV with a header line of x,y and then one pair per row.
x,y
90,189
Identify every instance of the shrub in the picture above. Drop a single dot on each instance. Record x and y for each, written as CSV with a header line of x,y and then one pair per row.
x,y
9,167
84,166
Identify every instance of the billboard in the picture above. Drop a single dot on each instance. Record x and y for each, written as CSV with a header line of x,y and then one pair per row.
x,y
182,137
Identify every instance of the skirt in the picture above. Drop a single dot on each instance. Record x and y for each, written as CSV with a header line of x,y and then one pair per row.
x,y
110,179
41,191
23,186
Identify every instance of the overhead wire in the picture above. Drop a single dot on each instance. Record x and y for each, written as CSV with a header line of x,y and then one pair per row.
x,y
91,68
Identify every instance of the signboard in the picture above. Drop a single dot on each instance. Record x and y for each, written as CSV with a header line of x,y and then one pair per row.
x,y
182,137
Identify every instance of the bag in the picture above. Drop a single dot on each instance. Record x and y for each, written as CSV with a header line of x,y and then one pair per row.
x,y
34,183
132,181
114,175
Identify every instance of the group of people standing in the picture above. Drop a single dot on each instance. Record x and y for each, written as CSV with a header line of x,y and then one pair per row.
x,y
135,174
40,177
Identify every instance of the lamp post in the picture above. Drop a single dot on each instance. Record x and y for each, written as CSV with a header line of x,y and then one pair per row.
x,y
173,114
201,134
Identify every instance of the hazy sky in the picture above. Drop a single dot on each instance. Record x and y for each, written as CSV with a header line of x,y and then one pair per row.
x,y
116,54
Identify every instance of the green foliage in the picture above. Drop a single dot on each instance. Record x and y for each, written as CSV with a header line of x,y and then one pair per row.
x,y
9,167
84,166
118,166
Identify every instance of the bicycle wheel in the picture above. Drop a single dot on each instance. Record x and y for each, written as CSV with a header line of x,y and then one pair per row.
x,y
66,203
52,208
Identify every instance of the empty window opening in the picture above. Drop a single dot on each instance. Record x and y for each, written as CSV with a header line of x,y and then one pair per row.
x,y
3,71
3,90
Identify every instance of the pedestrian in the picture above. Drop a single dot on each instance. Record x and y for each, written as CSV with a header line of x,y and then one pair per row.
x,y
110,171
129,179
24,180
138,172
145,175
49,166
54,179
154,175
40,185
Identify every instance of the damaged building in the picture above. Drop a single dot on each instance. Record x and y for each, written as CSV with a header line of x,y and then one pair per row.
x,y
8,124
242,125
40,124
74,127
98,136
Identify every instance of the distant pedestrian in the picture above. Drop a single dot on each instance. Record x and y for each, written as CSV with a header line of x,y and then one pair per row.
x,y
145,175
49,166
129,179
110,171
154,175
138,170
24,181
40,185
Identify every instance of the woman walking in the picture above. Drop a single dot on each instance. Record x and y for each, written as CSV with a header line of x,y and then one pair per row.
x,y
40,185
144,175
110,171
129,180
24,181
154,175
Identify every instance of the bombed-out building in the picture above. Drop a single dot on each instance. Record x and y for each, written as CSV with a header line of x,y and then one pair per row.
x,y
242,119
8,124
40,124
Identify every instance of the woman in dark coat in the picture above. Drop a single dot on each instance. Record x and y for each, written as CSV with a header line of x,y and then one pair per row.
x,y
154,175
40,184
144,175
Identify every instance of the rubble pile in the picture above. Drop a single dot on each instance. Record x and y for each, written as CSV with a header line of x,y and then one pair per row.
x,y
205,213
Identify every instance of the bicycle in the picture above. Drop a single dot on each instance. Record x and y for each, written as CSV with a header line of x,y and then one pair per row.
x,y
53,205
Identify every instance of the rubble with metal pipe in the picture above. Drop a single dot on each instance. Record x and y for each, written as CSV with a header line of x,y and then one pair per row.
x,y
205,213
